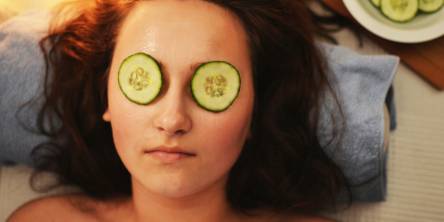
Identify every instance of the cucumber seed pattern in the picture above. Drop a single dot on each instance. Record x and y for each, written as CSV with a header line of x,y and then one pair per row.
x,y
400,5
139,79
215,85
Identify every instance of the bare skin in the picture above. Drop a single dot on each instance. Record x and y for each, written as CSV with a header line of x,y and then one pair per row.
x,y
78,207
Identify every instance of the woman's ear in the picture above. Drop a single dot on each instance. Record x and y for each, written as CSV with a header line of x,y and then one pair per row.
x,y
106,116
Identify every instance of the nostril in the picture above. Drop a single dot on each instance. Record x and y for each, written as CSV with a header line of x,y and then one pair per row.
x,y
180,132
172,124
177,132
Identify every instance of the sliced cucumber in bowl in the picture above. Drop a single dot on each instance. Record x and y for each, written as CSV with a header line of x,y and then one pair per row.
x,y
399,10
430,6
376,3
402,11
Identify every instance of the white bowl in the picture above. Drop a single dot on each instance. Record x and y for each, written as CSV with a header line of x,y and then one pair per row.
x,y
423,27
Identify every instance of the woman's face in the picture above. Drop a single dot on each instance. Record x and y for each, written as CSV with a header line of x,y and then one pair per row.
x,y
180,35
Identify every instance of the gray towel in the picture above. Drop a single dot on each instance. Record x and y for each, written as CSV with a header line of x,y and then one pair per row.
x,y
21,78
361,82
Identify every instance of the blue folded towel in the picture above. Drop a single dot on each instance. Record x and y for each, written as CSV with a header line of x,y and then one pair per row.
x,y
361,82
21,78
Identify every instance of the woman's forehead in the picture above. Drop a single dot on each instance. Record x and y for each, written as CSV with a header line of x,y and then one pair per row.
x,y
198,26
183,34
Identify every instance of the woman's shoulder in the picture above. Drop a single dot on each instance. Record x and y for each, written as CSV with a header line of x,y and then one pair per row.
x,y
66,207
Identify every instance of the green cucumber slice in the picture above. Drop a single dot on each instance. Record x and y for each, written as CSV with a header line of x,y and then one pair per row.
x,y
140,78
429,6
399,10
215,85
376,3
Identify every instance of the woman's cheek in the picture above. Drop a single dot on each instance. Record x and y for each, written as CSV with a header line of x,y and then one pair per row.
x,y
229,133
126,131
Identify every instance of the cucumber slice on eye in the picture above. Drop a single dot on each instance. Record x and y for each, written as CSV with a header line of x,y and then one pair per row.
x,y
215,85
399,10
429,6
140,78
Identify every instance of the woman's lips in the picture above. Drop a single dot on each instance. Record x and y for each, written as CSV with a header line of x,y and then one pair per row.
x,y
168,157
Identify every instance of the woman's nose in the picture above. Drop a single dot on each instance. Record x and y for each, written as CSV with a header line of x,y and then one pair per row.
x,y
173,118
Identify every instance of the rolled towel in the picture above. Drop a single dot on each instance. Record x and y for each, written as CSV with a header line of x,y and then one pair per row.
x,y
362,84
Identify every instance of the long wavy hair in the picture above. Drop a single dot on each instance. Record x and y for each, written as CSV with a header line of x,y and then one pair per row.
x,y
282,167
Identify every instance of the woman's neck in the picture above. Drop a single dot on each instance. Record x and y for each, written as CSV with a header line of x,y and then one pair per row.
x,y
207,205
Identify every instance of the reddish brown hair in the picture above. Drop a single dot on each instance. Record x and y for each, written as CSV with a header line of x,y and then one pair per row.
x,y
282,166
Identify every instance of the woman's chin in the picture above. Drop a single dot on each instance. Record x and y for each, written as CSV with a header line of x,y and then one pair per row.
x,y
170,188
